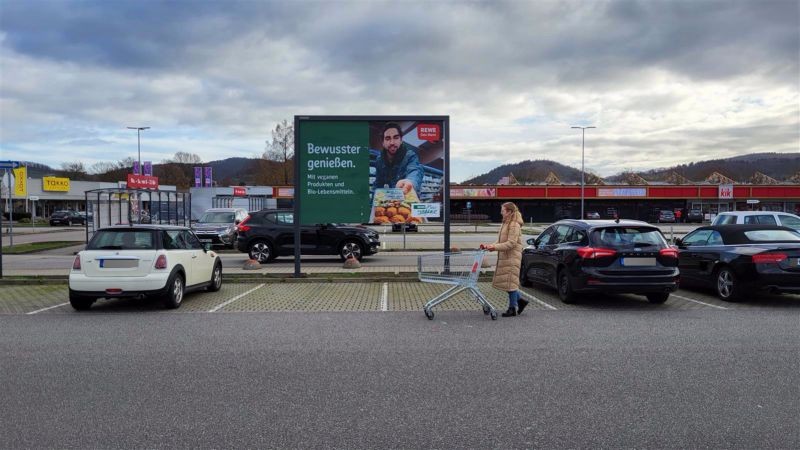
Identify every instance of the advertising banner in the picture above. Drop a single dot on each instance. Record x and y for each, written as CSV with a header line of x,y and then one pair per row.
x,y
426,210
621,192
475,193
198,177
55,184
148,168
136,168
239,191
208,178
368,170
21,182
142,182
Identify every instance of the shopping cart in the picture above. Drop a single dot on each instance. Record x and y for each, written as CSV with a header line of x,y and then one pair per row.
x,y
459,269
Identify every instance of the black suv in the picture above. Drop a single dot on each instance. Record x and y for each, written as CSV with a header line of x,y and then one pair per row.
x,y
269,233
66,218
626,256
694,215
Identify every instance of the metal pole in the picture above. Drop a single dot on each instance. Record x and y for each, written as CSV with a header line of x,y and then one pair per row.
x,y
10,212
583,142
139,149
1,228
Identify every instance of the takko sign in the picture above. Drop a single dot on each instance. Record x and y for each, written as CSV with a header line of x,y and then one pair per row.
x,y
55,184
142,182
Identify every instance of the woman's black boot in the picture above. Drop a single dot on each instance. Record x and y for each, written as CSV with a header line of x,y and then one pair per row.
x,y
522,304
511,312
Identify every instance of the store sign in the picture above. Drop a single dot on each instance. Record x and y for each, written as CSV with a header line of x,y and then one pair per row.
x,y
142,182
55,184
725,192
475,193
285,192
426,210
239,191
621,192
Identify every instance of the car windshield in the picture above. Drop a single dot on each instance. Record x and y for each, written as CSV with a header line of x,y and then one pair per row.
x,y
122,240
772,235
621,238
217,217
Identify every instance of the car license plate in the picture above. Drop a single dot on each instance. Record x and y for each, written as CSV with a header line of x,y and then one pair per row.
x,y
638,262
118,263
206,241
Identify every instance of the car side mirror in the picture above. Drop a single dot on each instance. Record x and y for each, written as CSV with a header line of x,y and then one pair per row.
x,y
531,241
536,242
678,242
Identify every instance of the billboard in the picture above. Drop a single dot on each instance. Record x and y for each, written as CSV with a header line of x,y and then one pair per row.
x,y
369,169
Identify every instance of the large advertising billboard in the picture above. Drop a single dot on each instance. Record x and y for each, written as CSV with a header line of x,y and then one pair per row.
x,y
369,169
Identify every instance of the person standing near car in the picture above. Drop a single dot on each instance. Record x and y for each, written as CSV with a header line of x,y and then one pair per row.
x,y
509,258
398,165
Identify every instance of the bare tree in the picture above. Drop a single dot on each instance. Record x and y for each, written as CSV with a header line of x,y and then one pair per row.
x,y
73,169
186,158
281,149
102,167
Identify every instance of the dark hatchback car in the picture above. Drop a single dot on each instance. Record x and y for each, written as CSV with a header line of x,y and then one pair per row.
x,y
694,216
662,216
736,260
67,217
626,256
267,234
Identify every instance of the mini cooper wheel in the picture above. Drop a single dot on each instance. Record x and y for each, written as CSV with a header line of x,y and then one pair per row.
x,y
79,302
216,278
351,248
175,291
261,251
659,297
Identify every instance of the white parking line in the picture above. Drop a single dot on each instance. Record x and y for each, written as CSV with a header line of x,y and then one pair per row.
x,y
45,309
696,301
385,297
530,297
218,307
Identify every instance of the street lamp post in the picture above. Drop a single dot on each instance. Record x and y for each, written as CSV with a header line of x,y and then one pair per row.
x,y
139,143
583,142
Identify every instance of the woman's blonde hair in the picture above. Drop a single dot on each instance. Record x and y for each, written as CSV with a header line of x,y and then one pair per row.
x,y
516,216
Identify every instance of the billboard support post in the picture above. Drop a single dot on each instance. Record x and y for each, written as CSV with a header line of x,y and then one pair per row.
x,y
296,196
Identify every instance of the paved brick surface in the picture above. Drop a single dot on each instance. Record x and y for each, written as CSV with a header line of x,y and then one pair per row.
x,y
365,296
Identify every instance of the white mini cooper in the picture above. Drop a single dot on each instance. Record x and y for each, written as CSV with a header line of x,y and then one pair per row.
x,y
143,260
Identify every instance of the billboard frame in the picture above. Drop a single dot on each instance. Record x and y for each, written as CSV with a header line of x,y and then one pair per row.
x,y
368,118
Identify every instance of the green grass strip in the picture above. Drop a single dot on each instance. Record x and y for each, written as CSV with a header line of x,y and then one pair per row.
x,y
34,247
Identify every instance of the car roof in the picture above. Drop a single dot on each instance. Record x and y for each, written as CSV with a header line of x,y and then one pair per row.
x,y
224,209
603,223
754,213
734,233
140,227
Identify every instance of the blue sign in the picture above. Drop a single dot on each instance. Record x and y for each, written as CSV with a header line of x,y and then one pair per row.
x,y
9,164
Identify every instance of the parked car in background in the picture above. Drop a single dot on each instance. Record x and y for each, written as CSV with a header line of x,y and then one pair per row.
x,y
662,216
67,217
86,216
735,260
694,216
268,234
758,217
576,256
592,215
143,260
219,226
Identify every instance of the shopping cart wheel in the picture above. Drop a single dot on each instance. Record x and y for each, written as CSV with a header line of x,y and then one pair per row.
x,y
493,315
428,313
486,310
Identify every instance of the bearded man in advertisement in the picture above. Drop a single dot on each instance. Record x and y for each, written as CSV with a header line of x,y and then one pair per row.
x,y
398,165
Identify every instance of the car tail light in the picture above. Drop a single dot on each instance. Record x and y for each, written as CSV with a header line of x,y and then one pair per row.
x,y
161,262
593,253
76,265
242,226
767,258
668,252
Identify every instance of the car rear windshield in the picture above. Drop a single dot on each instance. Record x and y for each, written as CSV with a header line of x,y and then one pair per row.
x,y
122,240
217,217
772,235
624,238
725,219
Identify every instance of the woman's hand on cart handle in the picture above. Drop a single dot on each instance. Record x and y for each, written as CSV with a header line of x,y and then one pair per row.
x,y
488,247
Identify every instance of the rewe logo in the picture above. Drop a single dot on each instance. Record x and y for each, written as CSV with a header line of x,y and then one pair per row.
x,y
429,132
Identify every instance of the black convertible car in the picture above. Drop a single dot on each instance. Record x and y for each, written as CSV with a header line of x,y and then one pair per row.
x,y
739,259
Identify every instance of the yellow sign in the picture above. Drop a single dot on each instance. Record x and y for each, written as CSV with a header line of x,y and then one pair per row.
x,y
55,184
21,182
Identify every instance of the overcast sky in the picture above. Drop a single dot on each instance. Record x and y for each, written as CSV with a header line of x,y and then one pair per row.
x,y
664,82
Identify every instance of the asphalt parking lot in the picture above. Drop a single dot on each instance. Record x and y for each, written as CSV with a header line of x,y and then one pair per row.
x,y
363,296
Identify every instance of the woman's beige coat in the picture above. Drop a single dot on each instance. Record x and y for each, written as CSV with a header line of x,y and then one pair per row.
x,y
509,255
